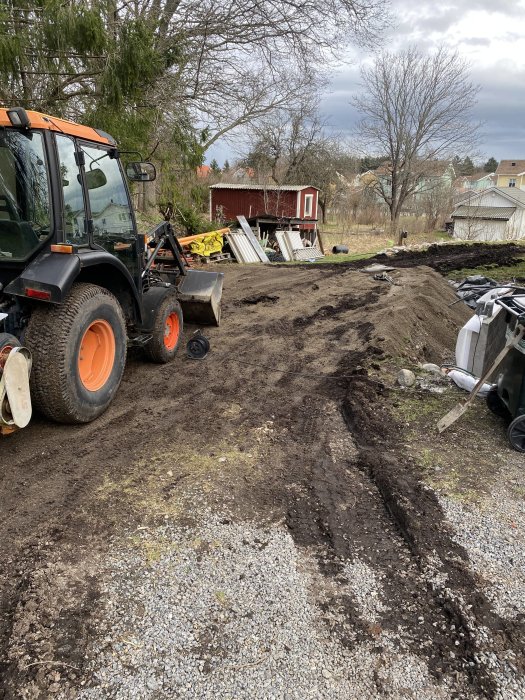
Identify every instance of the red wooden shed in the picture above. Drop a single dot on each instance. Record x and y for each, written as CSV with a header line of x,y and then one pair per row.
x,y
298,202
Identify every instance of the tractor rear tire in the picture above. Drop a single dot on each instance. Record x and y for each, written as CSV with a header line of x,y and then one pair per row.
x,y
167,331
79,354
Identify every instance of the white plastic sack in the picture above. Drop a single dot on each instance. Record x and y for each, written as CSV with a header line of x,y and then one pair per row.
x,y
468,382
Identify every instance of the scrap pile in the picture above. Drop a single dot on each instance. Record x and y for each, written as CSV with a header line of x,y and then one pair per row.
x,y
472,288
206,246
279,246
292,246
244,246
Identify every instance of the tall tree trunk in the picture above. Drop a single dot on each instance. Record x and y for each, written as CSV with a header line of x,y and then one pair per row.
x,y
322,207
395,231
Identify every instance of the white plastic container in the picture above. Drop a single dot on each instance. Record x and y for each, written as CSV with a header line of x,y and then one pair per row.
x,y
468,336
466,343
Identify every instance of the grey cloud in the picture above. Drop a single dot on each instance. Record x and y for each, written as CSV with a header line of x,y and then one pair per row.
x,y
477,41
511,8
425,17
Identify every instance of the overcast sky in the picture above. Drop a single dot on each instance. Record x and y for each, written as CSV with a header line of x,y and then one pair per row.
x,y
490,34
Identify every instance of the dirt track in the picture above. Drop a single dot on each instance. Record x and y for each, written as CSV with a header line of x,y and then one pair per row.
x,y
309,441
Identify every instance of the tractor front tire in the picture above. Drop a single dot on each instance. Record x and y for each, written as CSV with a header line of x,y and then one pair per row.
x,y
166,332
79,354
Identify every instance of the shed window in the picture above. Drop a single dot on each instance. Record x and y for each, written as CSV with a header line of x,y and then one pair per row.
x,y
308,204
512,182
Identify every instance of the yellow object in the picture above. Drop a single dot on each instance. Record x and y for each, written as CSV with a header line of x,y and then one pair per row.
x,y
212,243
188,239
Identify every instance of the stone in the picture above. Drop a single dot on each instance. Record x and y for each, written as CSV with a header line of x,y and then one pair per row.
x,y
431,367
406,378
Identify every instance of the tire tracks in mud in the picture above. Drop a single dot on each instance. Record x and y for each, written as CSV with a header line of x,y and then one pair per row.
x,y
394,523
397,525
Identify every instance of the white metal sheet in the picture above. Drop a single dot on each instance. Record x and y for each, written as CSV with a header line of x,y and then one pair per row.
x,y
294,241
242,248
283,245
251,238
311,253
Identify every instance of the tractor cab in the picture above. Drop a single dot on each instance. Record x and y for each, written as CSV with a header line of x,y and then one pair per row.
x,y
25,202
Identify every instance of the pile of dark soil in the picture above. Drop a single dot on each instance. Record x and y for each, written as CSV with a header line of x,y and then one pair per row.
x,y
443,257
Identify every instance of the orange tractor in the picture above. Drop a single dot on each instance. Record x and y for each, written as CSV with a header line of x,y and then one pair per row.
x,y
78,283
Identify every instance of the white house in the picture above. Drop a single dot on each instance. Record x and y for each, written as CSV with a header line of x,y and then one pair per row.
x,y
494,214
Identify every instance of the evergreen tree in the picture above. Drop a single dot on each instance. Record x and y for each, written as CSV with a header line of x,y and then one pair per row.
x,y
215,167
491,165
466,167
371,163
226,166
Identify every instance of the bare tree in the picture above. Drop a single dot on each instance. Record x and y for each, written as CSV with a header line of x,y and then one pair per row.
x,y
284,140
244,58
292,146
417,109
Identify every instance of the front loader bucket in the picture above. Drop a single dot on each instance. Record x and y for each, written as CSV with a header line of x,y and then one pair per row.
x,y
200,297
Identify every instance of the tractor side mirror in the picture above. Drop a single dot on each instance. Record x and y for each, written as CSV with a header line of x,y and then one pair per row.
x,y
95,178
141,171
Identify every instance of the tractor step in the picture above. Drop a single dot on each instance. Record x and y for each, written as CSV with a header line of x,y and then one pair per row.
x,y
139,341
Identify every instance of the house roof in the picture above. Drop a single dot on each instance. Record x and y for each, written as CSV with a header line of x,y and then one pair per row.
x,y
245,186
470,212
476,177
510,167
512,194
203,170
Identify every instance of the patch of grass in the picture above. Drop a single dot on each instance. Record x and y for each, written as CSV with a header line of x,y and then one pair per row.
x,y
154,550
343,257
411,407
370,242
338,258
156,482
222,598
501,273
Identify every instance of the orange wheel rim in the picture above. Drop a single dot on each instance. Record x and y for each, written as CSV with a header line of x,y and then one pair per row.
x,y
4,354
97,355
171,331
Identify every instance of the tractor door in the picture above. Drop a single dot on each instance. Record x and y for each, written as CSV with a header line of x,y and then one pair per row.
x,y
112,220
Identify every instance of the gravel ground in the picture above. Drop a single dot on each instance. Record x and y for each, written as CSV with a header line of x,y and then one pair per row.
x,y
493,533
225,611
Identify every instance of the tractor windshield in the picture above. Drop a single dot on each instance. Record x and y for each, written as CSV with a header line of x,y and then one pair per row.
x,y
25,219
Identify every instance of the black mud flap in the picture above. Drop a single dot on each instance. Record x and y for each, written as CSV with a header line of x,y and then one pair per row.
x,y
200,296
